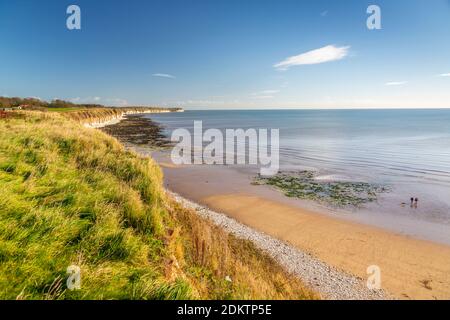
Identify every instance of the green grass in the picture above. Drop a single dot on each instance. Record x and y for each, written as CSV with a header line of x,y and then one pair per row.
x,y
74,196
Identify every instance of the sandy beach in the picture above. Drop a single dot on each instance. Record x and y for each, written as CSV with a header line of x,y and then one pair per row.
x,y
410,268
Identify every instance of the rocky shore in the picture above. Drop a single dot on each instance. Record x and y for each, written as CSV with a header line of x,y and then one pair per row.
x,y
137,130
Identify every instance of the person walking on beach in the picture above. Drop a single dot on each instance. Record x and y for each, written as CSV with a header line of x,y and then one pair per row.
x,y
412,202
416,202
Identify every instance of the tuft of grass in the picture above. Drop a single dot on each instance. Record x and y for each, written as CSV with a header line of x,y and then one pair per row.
x,y
225,267
74,196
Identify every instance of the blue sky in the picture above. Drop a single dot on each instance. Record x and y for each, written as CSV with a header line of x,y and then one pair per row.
x,y
222,54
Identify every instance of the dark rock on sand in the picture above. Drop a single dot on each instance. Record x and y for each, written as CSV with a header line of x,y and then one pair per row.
x,y
138,130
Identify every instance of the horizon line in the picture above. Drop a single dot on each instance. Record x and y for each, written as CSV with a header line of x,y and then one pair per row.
x,y
312,109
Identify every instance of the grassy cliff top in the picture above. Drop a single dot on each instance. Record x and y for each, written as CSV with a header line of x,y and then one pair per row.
x,y
74,196
59,105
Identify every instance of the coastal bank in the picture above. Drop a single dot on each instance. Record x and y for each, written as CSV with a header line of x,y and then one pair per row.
x,y
74,196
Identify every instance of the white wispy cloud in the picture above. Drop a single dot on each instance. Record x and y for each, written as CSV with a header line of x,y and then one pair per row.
x,y
84,100
105,101
117,102
395,83
444,75
163,75
205,103
321,55
264,97
265,94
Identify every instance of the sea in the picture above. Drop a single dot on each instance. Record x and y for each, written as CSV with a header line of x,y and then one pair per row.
x,y
407,150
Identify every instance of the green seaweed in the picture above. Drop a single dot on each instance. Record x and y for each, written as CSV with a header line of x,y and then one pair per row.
x,y
303,185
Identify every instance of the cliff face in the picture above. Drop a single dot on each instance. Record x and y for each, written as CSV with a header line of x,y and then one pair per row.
x,y
98,117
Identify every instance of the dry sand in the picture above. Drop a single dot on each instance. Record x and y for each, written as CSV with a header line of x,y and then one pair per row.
x,y
410,268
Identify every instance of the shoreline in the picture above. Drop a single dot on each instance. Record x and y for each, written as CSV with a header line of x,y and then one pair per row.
x,y
216,180
411,268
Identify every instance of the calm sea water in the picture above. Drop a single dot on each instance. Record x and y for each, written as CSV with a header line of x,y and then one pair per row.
x,y
408,150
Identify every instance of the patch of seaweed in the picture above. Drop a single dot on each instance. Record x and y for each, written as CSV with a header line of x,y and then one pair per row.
x,y
303,185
